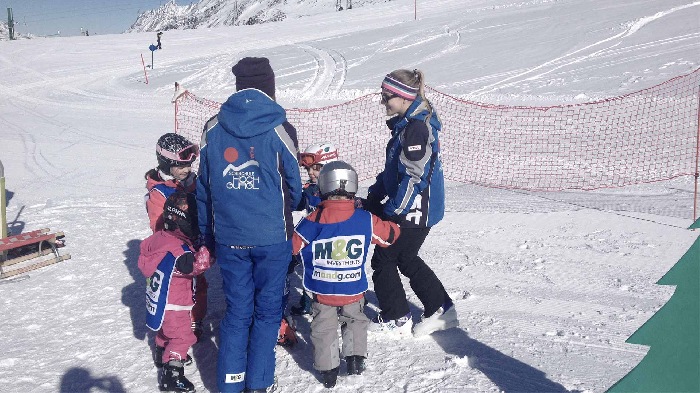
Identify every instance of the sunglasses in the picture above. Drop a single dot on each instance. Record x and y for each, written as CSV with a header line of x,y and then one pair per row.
x,y
387,96
188,154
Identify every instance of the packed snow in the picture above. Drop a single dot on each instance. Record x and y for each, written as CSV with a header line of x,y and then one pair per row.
x,y
548,286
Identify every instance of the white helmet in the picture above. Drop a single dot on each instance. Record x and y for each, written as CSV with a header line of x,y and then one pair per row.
x,y
337,178
320,153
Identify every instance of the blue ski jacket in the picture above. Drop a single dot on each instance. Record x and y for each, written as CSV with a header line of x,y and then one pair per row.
x,y
412,177
249,181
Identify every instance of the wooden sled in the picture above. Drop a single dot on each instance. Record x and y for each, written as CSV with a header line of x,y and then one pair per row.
x,y
22,249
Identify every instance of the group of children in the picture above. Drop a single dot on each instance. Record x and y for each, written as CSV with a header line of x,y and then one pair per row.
x,y
331,242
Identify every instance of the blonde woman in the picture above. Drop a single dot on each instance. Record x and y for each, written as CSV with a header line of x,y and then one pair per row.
x,y
412,180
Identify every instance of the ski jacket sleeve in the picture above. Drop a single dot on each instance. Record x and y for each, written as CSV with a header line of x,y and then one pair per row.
x,y
414,167
377,191
148,260
297,244
205,210
384,233
290,164
154,207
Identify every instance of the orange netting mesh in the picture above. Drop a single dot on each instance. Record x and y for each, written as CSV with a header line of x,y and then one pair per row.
x,y
645,136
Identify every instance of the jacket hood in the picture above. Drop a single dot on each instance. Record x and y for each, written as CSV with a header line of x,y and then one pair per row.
x,y
155,247
250,112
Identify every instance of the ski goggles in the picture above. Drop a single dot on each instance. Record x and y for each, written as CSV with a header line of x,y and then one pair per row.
x,y
188,154
308,160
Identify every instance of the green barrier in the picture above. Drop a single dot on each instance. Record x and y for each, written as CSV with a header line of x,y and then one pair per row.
x,y
672,334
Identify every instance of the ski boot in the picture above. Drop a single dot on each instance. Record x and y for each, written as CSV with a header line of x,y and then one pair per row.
x,y
172,378
442,319
356,364
330,377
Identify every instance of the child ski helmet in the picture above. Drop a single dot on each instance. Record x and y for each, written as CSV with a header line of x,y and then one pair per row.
x,y
320,153
174,150
180,212
337,178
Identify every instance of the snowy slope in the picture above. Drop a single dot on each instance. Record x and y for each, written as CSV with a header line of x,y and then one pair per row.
x,y
547,285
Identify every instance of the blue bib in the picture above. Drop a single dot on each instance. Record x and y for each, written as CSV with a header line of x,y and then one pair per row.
x,y
157,288
334,258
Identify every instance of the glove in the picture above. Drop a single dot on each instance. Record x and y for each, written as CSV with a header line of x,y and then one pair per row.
x,y
185,263
203,259
373,205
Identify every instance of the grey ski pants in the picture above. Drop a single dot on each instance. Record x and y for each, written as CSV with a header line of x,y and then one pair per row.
x,y
324,332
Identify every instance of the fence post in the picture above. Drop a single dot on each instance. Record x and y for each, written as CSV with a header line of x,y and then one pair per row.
x,y
143,63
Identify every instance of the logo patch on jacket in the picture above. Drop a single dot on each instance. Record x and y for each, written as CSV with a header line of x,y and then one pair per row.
x,y
244,176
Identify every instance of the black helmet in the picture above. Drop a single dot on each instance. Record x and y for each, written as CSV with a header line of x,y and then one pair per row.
x,y
337,178
180,212
175,150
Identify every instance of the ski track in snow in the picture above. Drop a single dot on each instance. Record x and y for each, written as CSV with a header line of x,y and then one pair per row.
x,y
573,58
329,73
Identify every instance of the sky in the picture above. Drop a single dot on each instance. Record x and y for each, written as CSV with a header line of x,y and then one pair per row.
x,y
49,17
548,286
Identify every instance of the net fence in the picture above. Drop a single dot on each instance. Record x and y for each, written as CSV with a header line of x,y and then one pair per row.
x,y
645,136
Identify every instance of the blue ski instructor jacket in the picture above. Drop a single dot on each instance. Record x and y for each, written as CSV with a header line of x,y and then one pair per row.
x,y
412,178
249,181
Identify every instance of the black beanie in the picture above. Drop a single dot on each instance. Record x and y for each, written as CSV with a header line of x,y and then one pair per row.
x,y
255,72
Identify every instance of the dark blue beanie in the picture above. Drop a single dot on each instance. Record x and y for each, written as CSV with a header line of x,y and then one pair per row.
x,y
255,72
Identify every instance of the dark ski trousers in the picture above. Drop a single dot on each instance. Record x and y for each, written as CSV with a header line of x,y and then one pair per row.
x,y
402,256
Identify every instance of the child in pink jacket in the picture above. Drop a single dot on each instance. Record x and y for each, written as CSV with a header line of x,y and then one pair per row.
x,y
175,155
170,259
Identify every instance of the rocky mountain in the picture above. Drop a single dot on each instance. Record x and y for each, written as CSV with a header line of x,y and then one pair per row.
x,y
212,13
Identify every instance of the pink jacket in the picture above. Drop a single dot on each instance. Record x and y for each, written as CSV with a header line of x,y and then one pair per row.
x,y
155,247
158,192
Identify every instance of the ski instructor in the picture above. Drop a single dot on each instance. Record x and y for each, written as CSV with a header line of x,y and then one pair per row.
x,y
248,185
412,180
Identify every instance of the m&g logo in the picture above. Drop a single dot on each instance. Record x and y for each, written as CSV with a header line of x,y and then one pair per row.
x,y
340,251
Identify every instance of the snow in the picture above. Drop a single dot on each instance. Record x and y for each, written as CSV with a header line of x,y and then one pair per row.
x,y
548,286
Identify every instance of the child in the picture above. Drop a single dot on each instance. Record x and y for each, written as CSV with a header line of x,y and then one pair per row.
x,y
313,159
169,260
175,156
333,242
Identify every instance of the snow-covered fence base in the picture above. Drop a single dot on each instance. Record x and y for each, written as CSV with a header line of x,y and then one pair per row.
x,y
645,136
